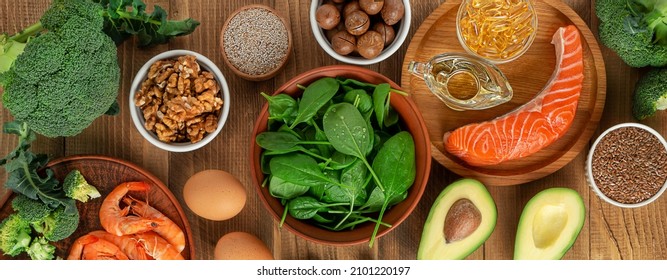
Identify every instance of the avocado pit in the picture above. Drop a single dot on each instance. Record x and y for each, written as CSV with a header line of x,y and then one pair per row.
x,y
462,219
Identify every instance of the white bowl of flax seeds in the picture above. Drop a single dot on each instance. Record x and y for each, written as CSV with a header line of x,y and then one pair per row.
x,y
627,165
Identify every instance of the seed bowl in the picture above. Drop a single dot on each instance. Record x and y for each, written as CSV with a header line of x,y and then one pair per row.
x,y
138,116
411,121
252,47
627,165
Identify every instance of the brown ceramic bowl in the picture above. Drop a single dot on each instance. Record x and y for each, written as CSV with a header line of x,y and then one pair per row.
x,y
237,71
412,121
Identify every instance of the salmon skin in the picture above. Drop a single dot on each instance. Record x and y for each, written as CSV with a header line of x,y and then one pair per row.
x,y
535,124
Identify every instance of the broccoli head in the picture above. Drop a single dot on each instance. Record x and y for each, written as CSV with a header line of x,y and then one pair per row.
x,y
14,235
634,29
64,79
58,225
650,94
41,249
76,187
30,210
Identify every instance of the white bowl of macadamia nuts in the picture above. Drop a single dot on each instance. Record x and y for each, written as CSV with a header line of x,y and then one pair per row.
x,y
360,32
179,101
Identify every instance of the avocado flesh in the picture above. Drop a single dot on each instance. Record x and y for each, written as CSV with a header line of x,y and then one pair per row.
x,y
549,224
434,244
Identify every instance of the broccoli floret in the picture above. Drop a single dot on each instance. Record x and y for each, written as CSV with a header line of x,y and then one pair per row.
x,y
632,29
64,79
76,187
58,225
61,10
41,249
650,94
14,235
30,210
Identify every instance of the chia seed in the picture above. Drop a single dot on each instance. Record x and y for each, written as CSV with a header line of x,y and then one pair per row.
x,y
629,165
256,41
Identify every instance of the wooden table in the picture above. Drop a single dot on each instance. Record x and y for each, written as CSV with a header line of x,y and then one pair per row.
x,y
609,232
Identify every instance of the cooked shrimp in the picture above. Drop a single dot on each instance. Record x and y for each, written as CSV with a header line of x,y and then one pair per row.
x,y
116,220
166,228
157,247
89,247
127,243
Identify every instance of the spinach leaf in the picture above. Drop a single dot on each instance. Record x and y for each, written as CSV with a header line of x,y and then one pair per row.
x,y
298,169
395,167
341,161
381,103
306,207
347,130
316,95
282,107
360,99
282,141
280,188
355,176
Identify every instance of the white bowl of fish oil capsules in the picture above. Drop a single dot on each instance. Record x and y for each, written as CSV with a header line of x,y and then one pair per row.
x,y
497,30
255,42
627,165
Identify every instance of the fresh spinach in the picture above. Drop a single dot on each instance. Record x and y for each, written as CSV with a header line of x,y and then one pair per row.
x,y
315,97
318,150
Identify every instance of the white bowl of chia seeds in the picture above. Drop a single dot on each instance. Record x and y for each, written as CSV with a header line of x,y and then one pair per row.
x,y
255,42
627,165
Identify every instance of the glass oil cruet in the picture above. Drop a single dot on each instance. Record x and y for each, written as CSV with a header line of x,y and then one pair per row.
x,y
489,85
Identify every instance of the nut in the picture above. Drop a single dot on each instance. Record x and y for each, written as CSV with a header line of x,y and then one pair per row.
x,y
179,101
371,7
370,44
351,7
357,22
344,42
392,11
462,219
327,16
387,32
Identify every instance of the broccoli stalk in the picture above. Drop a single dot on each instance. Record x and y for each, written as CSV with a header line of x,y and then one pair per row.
x,y
76,187
14,235
650,94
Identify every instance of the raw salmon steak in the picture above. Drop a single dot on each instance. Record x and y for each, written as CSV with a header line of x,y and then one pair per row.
x,y
535,124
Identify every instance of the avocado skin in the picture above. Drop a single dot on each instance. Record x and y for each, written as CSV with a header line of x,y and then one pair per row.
x,y
433,246
524,245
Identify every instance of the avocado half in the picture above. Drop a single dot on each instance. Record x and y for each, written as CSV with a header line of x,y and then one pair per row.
x,y
549,225
461,219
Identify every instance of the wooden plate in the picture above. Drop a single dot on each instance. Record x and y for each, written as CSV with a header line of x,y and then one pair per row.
x,y
106,173
527,76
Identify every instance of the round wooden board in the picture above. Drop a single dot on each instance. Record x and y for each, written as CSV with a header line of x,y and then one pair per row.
x,y
106,173
527,76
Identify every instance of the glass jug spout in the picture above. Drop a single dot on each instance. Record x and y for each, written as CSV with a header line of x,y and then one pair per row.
x,y
417,69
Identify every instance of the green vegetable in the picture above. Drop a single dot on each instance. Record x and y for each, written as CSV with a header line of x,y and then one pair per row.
x,y
76,187
30,210
318,150
62,73
395,168
22,166
314,98
650,94
58,225
635,29
14,235
41,249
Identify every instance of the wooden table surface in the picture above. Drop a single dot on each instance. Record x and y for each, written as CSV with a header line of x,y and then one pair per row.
x,y
609,232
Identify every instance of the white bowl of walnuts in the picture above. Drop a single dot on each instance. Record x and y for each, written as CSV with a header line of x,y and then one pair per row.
x,y
360,32
179,101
